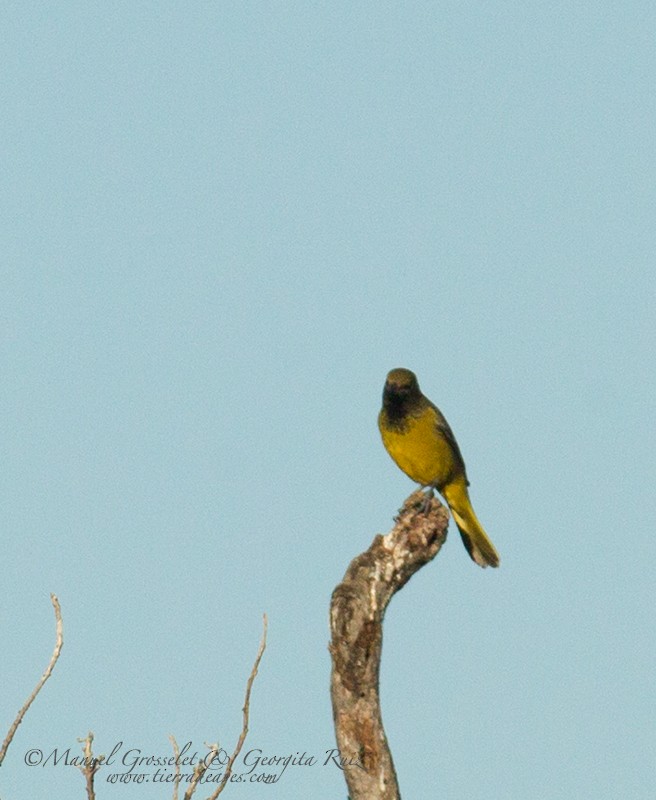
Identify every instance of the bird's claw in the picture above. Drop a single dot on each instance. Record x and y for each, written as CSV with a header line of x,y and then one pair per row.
x,y
425,505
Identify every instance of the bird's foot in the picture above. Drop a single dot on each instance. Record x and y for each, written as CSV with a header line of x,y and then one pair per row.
x,y
425,505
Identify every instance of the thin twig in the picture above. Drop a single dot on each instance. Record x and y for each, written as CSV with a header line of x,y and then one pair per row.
x,y
204,764
245,711
176,753
55,655
201,768
91,765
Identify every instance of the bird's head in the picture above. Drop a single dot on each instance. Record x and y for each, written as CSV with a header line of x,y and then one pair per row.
x,y
401,386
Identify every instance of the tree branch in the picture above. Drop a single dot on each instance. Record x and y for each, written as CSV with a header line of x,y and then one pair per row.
x,y
91,765
176,753
213,749
48,672
356,616
245,711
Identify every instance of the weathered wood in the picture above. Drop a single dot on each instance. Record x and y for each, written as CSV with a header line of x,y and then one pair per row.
x,y
356,621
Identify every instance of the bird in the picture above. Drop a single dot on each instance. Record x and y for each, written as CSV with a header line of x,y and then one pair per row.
x,y
421,443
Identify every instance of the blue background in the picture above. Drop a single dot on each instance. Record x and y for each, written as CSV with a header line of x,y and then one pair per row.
x,y
222,224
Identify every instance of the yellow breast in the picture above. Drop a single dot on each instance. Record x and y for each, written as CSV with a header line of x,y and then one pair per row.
x,y
419,448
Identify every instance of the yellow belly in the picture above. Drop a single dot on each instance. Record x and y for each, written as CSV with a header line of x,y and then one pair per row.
x,y
420,449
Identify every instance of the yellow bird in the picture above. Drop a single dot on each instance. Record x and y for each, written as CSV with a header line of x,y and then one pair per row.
x,y
422,444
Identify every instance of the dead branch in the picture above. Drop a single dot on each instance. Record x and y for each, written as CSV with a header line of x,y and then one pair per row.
x,y
245,712
48,672
200,769
204,764
176,753
91,765
356,617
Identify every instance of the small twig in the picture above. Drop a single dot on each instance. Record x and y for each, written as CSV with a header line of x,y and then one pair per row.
x,y
213,749
245,711
176,753
91,765
55,655
201,768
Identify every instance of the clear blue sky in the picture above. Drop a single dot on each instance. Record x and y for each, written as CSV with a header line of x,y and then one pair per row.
x,y
222,224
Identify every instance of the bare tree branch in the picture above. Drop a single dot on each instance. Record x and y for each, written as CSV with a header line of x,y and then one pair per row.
x,y
91,765
48,672
176,753
213,749
356,616
201,768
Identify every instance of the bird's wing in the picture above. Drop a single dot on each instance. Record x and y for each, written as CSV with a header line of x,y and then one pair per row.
x,y
444,428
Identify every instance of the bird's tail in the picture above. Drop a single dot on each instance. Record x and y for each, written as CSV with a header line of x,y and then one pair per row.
x,y
478,545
